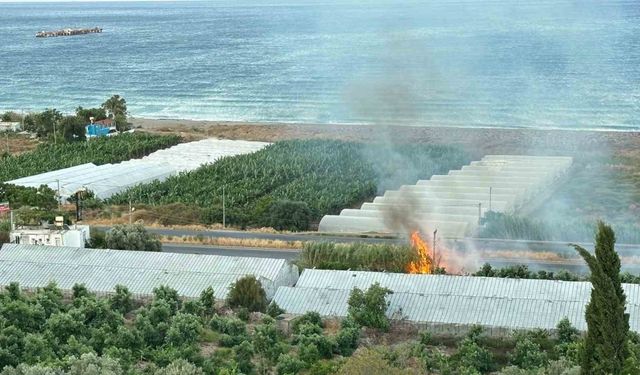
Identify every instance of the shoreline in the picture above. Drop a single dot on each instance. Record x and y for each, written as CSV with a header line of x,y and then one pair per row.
x,y
152,122
477,140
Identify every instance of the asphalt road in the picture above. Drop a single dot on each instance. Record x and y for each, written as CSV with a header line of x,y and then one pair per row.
x,y
470,244
534,265
265,236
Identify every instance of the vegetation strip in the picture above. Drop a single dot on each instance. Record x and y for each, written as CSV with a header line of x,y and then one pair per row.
x,y
290,184
49,157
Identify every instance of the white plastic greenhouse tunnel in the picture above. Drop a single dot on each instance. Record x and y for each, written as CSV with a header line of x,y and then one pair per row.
x,y
453,204
109,179
452,304
35,266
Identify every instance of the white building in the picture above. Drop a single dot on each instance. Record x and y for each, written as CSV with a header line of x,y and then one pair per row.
x,y
74,236
10,126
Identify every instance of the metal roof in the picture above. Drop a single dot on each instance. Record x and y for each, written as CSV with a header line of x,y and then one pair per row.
x,y
453,300
101,270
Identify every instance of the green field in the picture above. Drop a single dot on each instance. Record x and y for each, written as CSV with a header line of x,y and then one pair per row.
x,y
49,157
326,175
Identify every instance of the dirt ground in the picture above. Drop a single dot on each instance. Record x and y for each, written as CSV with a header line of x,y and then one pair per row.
x,y
15,144
484,141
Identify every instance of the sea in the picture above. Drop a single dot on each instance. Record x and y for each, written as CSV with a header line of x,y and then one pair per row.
x,y
515,64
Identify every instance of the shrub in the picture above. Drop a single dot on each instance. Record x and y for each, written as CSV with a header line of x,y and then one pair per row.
x,y
265,341
288,215
325,345
471,356
289,365
79,291
184,330
527,354
566,332
244,354
132,237
193,307
356,256
180,367
243,314
247,292
347,340
309,354
229,326
369,308
310,317
169,295
273,310
208,301
369,362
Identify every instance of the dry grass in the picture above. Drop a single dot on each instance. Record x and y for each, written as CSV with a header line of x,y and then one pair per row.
x,y
16,144
233,242
530,255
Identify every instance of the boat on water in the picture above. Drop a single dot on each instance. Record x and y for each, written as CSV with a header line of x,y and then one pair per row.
x,y
67,32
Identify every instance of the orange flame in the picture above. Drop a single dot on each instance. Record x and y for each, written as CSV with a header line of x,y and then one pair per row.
x,y
425,261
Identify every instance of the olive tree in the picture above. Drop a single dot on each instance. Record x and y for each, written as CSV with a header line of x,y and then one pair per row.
x,y
132,237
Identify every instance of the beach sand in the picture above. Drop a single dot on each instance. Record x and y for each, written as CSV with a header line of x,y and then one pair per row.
x,y
476,140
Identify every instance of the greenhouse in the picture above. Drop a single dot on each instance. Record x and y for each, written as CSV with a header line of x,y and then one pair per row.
x,y
34,266
109,179
454,203
451,304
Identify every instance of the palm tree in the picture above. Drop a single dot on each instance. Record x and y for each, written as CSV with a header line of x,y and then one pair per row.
x,y
116,108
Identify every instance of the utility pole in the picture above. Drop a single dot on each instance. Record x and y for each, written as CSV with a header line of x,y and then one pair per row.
x,y
224,213
130,212
490,194
435,256
59,197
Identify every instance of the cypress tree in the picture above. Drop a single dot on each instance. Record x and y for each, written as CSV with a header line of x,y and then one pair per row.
x,y
605,348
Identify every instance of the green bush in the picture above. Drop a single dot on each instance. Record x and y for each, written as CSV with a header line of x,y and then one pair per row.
x,y
132,237
247,292
274,310
356,256
347,338
309,171
243,314
244,355
311,318
288,215
42,197
369,308
208,301
471,356
289,365
527,354
48,157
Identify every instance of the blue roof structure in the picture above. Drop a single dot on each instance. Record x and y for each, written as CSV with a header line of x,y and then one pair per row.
x,y
93,130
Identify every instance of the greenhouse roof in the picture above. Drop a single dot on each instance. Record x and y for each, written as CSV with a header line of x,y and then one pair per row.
x,y
501,183
453,300
109,179
101,270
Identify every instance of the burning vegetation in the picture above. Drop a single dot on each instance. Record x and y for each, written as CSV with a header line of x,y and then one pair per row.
x,y
426,256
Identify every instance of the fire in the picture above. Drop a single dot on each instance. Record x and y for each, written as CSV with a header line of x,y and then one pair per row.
x,y
425,260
